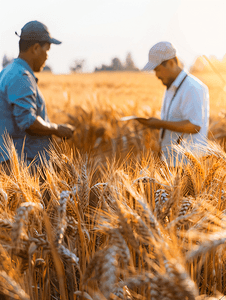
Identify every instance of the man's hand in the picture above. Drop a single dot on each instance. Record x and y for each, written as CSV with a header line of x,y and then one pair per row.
x,y
41,128
65,131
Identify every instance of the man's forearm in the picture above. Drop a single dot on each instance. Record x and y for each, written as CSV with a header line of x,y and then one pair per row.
x,y
41,127
180,126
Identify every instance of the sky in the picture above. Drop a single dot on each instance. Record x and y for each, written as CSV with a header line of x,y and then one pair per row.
x,y
99,30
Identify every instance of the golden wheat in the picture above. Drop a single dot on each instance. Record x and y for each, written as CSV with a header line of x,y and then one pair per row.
x,y
108,220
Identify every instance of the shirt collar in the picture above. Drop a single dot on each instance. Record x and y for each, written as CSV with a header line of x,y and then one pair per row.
x,y
179,78
26,66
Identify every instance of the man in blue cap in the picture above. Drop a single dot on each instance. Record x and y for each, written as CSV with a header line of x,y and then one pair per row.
x,y
22,107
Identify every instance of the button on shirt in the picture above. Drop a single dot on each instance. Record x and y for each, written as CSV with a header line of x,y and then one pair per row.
x,y
20,103
190,103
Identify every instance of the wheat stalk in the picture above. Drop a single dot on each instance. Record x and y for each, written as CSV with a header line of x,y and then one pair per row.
x,y
13,286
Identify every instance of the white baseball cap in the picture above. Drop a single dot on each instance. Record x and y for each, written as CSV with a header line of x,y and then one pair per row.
x,y
159,53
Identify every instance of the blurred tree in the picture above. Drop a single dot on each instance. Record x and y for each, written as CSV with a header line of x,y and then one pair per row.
x,y
47,69
198,65
129,65
78,66
6,60
103,68
202,64
116,64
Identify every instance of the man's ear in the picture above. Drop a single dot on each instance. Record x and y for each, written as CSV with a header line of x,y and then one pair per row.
x,y
35,48
171,62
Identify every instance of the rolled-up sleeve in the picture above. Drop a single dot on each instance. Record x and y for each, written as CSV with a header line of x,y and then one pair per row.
x,y
192,106
22,96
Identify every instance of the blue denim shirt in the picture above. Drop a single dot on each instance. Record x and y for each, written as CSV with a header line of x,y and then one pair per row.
x,y
20,103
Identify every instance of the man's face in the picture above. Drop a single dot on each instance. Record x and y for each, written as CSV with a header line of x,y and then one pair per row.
x,y
41,55
164,73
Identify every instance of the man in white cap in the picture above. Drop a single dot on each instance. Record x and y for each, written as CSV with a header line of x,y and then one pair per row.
x,y
185,109
22,107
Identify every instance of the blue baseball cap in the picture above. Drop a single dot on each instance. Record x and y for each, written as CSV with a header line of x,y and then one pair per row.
x,y
37,31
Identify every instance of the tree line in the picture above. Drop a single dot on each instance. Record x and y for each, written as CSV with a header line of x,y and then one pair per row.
x,y
7,60
77,65
117,65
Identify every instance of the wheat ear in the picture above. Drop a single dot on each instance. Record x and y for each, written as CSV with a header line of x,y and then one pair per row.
x,y
14,286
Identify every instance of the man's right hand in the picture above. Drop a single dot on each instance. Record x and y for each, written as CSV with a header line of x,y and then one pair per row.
x,y
41,127
65,131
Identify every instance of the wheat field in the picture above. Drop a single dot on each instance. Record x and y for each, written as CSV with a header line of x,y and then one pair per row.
x,y
104,218
124,94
